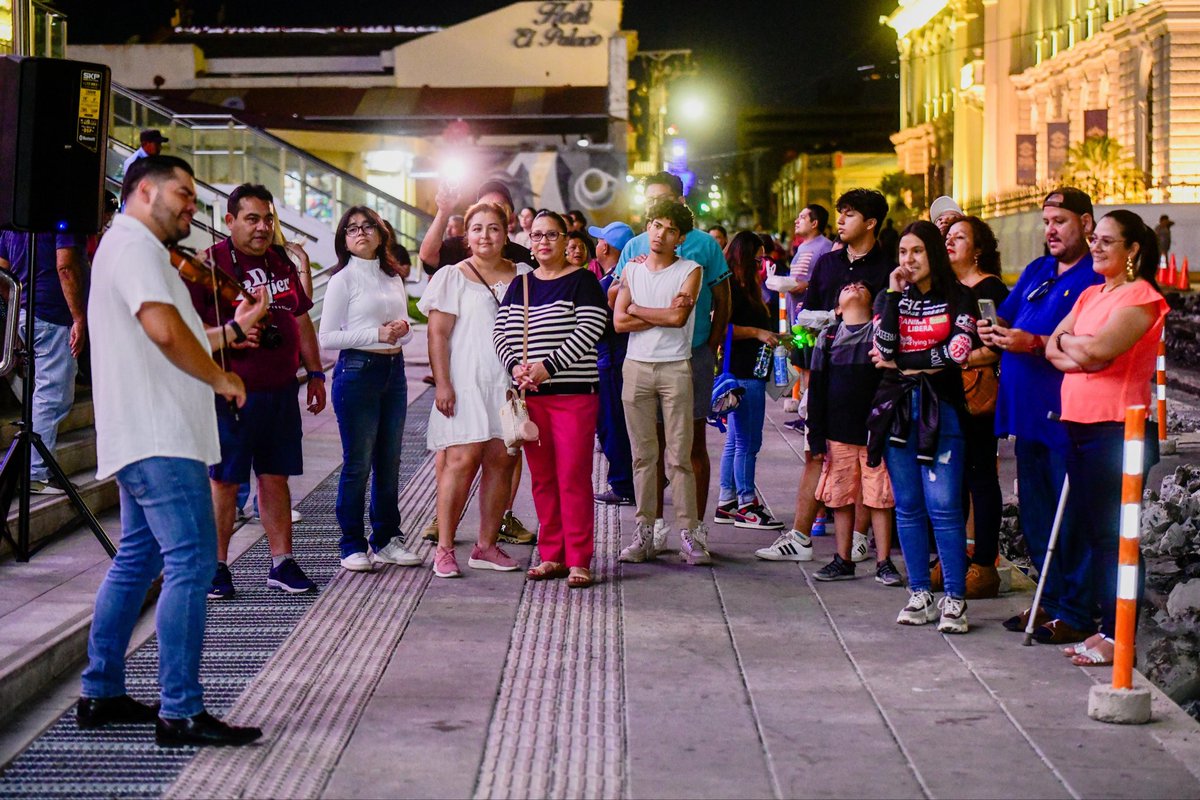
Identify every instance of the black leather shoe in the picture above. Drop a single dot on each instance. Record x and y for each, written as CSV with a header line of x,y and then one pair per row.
x,y
96,712
202,729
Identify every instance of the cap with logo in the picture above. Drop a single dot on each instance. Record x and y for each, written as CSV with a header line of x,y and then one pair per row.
x,y
1070,198
617,234
152,135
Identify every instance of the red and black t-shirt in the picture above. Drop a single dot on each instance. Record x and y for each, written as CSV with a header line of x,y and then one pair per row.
x,y
262,369
927,332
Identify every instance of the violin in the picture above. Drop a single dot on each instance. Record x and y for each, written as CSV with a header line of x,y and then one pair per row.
x,y
193,270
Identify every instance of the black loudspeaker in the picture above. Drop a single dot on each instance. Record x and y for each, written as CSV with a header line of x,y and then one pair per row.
x,y
53,144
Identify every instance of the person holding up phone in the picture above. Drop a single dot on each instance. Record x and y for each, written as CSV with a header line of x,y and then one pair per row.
x,y
975,259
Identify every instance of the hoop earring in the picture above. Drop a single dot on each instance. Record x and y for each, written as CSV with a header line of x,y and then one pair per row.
x,y
1130,269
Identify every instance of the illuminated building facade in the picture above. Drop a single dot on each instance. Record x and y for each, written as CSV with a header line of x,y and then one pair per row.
x,y
994,93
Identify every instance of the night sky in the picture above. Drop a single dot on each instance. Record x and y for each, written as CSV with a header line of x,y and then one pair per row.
x,y
770,54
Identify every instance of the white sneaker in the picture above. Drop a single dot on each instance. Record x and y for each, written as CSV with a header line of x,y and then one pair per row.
x,y
693,546
297,516
920,610
858,549
642,547
394,553
661,529
790,546
954,615
357,562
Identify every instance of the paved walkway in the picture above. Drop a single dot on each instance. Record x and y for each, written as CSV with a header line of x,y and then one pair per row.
x,y
746,679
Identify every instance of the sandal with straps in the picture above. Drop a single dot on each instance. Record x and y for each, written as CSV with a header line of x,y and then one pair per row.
x,y
580,578
1093,657
547,570
1079,648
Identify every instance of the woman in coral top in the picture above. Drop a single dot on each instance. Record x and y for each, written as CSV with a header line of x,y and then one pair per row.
x,y
1107,347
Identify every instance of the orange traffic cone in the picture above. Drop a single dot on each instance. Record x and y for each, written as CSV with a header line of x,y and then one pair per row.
x,y
1185,281
1161,277
1172,277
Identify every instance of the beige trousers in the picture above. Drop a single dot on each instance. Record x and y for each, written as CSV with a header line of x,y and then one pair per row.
x,y
647,386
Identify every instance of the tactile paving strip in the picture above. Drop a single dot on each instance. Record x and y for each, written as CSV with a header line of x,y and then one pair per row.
x,y
241,637
558,727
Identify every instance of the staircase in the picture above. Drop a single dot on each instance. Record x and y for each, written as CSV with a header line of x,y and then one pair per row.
x,y
52,515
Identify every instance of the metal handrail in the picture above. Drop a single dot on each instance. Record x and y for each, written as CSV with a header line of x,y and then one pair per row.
x,y
232,122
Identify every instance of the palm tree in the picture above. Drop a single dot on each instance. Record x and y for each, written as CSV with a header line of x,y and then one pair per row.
x,y
1099,166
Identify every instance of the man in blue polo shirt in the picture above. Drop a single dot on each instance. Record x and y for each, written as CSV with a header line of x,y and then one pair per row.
x,y
59,331
1030,400
712,315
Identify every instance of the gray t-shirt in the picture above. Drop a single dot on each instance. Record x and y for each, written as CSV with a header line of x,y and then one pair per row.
x,y
807,254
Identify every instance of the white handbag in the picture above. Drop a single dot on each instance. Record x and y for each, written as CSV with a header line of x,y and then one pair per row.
x,y
515,425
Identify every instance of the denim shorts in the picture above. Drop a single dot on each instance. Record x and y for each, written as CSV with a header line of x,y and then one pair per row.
x,y
265,436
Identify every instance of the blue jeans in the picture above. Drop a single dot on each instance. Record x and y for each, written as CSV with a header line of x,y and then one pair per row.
x,y
614,436
370,398
1094,460
742,443
1040,473
167,526
53,386
932,493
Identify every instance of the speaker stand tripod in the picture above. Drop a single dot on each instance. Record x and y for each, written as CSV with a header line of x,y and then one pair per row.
x,y
14,470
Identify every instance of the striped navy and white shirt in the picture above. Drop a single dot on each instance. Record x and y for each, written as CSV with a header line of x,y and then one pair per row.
x,y
566,319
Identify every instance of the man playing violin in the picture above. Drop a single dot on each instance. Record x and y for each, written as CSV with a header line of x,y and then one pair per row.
x,y
266,434
153,379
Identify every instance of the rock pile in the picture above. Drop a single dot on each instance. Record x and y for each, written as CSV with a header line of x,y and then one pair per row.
x,y
1169,633
1012,542
1183,329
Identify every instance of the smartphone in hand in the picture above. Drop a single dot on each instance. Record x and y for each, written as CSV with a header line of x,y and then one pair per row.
x,y
987,310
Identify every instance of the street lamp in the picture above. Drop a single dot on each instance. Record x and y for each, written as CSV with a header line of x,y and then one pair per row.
x,y
692,109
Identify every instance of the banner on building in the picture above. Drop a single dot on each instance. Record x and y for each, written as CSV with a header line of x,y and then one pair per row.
x,y
1026,159
1095,122
1058,141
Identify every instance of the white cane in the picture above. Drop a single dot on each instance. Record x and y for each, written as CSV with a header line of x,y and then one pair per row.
x,y
1037,596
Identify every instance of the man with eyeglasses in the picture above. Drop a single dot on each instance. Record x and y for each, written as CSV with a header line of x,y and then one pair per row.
x,y
1029,401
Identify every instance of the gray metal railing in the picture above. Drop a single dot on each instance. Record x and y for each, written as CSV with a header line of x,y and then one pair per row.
x,y
225,151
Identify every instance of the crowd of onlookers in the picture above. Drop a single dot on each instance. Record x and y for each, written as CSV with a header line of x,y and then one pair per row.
x,y
905,354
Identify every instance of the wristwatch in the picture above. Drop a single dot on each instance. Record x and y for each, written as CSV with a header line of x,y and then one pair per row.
x,y
316,375
239,335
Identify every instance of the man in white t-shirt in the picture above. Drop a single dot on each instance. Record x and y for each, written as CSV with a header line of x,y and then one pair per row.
x,y
153,379
655,306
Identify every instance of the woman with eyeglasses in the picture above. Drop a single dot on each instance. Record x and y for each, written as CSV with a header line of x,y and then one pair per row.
x,y
1027,401
738,503
1107,347
461,302
565,312
975,258
365,316
925,333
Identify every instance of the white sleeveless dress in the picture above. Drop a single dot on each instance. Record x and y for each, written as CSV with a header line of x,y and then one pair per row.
x,y
478,377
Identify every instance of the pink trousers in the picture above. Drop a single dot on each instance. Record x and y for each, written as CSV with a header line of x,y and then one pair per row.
x,y
560,467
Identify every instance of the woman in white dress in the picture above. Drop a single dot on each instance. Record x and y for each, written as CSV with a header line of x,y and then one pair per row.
x,y
461,302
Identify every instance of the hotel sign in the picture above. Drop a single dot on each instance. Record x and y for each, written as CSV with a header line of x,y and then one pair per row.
x,y
559,23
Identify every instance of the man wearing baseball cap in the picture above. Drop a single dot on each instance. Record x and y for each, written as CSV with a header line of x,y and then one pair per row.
x,y
943,212
1029,400
151,145
610,358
